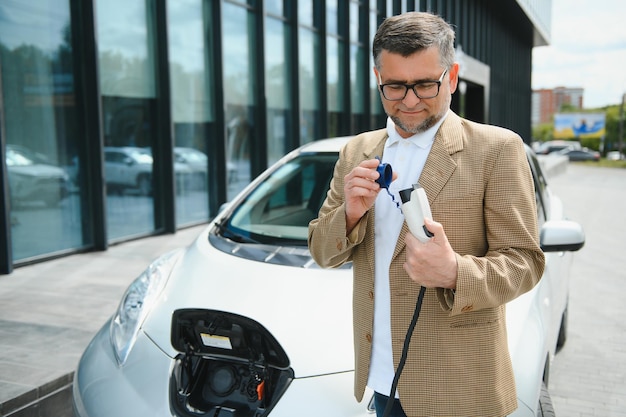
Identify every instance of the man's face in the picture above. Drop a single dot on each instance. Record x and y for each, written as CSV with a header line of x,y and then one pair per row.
x,y
412,114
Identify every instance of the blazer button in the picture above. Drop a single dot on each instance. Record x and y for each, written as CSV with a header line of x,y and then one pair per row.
x,y
368,337
467,308
371,294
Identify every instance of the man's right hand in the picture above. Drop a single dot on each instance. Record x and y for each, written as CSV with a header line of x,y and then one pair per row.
x,y
360,191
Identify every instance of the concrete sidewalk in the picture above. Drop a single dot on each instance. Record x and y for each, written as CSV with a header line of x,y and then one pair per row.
x,y
50,311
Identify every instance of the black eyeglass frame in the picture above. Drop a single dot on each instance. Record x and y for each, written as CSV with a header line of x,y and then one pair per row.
x,y
438,82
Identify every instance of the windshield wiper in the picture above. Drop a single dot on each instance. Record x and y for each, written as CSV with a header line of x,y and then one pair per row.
x,y
228,233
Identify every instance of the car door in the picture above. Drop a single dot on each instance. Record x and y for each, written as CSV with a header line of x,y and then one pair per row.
x,y
555,278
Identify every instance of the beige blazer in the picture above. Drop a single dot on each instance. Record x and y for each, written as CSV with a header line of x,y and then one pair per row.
x,y
480,189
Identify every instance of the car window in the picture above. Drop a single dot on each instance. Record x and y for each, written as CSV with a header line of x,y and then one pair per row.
x,y
541,188
117,157
281,207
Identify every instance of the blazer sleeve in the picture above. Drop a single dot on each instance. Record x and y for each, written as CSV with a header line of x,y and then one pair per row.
x,y
328,243
514,261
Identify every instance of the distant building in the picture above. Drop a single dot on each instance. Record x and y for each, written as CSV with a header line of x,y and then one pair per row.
x,y
547,102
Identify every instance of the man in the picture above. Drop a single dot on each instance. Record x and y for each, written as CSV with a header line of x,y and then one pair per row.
x,y
484,252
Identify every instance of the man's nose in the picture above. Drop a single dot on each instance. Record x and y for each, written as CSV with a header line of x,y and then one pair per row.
x,y
411,97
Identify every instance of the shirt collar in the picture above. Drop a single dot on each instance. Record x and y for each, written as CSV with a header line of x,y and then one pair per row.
x,y
422,139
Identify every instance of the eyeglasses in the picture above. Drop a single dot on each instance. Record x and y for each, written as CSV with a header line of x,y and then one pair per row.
x,y
423,89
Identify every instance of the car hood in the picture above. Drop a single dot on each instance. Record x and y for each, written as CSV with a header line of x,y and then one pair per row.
x,y
307,310
38,170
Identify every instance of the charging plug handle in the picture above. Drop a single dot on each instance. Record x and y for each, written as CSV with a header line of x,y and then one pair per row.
x,y
416,208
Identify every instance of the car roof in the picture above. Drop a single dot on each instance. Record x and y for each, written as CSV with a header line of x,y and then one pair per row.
x,y
326,145
335,145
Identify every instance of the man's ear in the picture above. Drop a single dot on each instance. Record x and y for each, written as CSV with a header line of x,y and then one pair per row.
x,y
454,77
376,74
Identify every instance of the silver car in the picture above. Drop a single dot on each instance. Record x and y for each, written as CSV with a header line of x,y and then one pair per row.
x,y
244,323
33,179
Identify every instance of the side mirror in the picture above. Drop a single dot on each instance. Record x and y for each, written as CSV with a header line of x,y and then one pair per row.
x,y
561,235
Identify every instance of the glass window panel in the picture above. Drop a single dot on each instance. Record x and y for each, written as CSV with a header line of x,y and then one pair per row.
x,y
125,60
192,107
305,12
309,93
331,16
41,129
238,93
354,22
128,106
376,108
274,7
334,50
356,79
277,87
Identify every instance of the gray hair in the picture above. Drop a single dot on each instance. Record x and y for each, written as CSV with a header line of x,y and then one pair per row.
x,y
412,32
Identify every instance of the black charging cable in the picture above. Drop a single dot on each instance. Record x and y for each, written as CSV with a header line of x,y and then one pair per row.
x,y
405,351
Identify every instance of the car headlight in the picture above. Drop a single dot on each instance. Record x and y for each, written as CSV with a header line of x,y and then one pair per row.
x,y
137,302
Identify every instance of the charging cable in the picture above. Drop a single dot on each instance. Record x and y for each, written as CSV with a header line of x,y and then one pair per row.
x,y
405,351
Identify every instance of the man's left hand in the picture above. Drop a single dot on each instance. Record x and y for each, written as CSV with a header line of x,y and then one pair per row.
x,y
431,264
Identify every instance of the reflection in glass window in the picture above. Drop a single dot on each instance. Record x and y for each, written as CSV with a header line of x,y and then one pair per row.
x,y
277,87
192,107
308,91
354,21
238,94
305,12
128,105
274,7
331,16
41,131
358,71
334,71
376,108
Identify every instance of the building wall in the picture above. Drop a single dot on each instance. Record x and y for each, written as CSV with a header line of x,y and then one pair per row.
x,y
546,102
140,117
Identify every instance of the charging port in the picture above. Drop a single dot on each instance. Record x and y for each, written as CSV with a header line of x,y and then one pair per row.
x,y
228,366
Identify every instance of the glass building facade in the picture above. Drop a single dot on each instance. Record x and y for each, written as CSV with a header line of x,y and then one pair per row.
x,y
121,119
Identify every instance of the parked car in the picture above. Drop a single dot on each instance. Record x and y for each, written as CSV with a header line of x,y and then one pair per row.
x,y
615,156
580,154
196,162
557,145
30,179
129,167
244,323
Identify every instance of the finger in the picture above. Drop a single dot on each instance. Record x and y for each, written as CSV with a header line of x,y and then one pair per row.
x,y
362,185
364,171
436,229
370,163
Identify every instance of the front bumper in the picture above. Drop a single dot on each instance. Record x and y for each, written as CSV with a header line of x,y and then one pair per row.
x,y
141,387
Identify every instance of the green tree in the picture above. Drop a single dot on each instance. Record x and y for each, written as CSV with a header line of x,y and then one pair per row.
x,y
611,141
543,132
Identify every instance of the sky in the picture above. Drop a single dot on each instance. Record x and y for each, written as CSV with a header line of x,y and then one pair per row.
x,y
587,50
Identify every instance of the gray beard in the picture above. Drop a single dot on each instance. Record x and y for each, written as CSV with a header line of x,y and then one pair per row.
x,y
422,127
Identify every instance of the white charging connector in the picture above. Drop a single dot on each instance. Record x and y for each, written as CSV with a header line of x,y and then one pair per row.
x,y
416,208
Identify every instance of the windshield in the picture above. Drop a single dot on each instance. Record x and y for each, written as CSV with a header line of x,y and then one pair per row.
x,y
279,210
